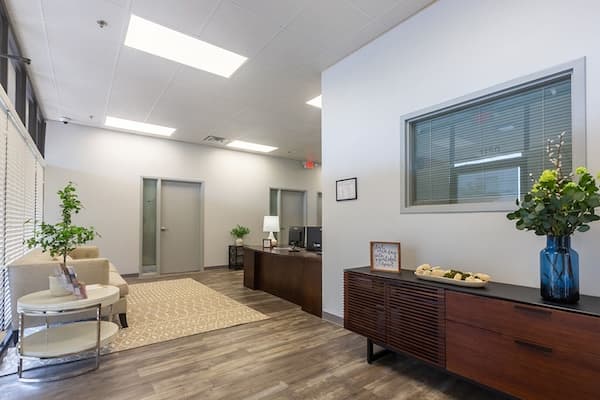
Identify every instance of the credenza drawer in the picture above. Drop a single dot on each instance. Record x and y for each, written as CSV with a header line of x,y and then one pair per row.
x,y
542,325
364,306
520,367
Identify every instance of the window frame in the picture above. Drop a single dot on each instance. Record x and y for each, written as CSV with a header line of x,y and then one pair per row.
x,y
575,68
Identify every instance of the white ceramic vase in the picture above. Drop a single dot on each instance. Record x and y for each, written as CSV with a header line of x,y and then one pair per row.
x,y
239,242
56,287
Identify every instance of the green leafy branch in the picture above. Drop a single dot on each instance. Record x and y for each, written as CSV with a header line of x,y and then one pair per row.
x,y
558,205
63,237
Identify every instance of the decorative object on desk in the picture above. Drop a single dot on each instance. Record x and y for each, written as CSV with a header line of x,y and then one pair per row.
x,y
271,224
61,238
267,244
346,189
385,256
238,233
558,205
451,276
57,286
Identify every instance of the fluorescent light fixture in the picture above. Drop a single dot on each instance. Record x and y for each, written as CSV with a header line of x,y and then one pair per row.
x,y
488,159
136,126
238,144
161,41
316,102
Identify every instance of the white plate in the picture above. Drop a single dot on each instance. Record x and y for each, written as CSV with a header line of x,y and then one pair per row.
x,y
450,281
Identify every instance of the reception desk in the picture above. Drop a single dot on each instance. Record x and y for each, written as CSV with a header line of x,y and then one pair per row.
x,y
293,276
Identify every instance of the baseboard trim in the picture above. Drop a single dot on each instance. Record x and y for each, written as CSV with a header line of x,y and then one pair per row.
x,y
216,267
334,319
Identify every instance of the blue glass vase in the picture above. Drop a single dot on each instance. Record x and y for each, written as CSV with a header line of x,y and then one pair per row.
x,y
559,270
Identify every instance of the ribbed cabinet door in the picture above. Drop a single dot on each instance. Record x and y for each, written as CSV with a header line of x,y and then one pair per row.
x,y
416,321
364,306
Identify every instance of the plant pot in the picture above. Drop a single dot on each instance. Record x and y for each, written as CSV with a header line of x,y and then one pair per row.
x,y
559,271
56,287
239,242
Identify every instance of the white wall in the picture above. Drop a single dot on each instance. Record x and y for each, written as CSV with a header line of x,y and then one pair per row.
x,y
107,167
452,48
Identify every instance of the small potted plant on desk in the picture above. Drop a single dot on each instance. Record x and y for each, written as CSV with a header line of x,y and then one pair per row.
x,y
238,233
60,239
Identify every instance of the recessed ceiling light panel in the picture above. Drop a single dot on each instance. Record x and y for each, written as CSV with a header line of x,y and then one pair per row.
x,y
238,144
136,126
316,102
161,41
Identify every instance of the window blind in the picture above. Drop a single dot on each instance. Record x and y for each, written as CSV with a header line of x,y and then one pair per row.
x,y
21,184
489,150
15,194
39,194
4,294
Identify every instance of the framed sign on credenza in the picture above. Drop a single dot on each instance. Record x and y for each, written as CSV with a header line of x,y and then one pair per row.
x,y
385,256
345,189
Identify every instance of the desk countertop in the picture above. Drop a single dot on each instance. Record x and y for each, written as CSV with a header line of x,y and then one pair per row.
x,y
284,252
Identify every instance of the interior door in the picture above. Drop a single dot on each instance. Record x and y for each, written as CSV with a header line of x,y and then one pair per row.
x,y
181,227
292,213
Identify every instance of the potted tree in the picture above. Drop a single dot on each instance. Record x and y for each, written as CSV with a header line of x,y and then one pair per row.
x,y
63,237
238,233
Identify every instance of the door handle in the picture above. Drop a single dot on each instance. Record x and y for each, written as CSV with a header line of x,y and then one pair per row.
x,y
163,228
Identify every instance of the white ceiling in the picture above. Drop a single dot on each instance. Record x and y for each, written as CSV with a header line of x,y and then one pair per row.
x,y
80,70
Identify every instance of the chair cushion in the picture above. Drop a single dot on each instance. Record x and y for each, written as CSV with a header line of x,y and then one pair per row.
x,y
85,252
115,279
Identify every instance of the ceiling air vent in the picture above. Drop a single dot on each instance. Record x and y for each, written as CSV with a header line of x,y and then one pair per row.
x,y
215,139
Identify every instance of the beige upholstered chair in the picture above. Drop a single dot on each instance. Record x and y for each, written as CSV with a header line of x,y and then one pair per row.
x,y
30,274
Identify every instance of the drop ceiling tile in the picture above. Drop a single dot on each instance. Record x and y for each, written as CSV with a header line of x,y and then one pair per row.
x,y
314,39
375,8
280,11
135,90
236,29
186,16
404,10
83,55
328,22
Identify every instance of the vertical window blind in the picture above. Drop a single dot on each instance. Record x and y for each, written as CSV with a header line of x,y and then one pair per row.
x,y
490,149
21,186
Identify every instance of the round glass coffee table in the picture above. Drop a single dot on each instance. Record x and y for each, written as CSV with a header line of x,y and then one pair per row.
x,y
71,337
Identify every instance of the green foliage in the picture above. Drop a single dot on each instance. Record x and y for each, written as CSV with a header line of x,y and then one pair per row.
x,y
63,237
239,231
558,205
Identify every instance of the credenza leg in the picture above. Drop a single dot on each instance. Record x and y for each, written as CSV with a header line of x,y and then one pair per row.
x,y
371,356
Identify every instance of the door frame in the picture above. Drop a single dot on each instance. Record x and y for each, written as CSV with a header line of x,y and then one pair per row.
x,y
159,180
319,204
279,189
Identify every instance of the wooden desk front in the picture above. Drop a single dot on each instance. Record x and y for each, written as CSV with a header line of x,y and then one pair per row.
x,y
293,276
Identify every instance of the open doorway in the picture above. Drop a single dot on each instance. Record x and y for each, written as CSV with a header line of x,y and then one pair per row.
x,y
290,206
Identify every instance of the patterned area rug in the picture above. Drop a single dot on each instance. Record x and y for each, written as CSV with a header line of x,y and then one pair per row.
x,y
161,311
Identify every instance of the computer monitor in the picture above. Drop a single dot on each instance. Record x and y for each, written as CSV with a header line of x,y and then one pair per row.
x,y
296,236
313,238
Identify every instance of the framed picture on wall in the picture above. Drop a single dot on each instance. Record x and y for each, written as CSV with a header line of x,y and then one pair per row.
x,y
385,256
345,189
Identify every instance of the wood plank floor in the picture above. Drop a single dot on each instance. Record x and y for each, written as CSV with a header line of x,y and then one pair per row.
x,y
293,355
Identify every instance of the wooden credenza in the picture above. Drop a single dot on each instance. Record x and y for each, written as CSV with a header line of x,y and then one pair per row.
x,y
504,336
293,276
